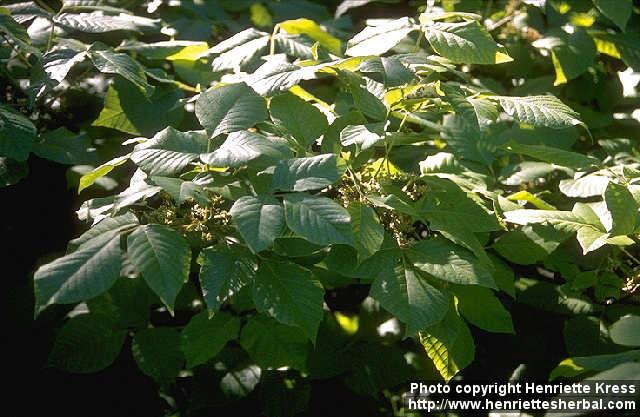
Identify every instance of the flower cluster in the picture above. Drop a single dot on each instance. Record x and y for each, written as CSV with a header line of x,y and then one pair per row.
x,y
201,225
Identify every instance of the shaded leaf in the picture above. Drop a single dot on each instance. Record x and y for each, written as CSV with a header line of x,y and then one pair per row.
x,y
204,337
272,344
287,292
163,258
86,343
224,272
157,353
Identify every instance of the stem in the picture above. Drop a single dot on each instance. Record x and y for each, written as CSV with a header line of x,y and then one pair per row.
x,y
272,42
51,34
356,184
420,35
622,179
633,258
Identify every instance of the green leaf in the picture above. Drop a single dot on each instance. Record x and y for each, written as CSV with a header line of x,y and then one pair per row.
x,y
127,304
370,373
163,258
224,272
545,296
273,345
239,50
619,11
240,382
367,231
302,120
465,141
483,309
376,40
445,261
556,156
128,110
297,46
303,174
586,186
243,147
620,45
403,291
449,345
169,50
109,62
441,162
394,70
11,171
320,220
529,244
478,112
12,28
88,179
456,214
446,203
63,147
623,209
181,191
364,135
230,108
314,31
17,134
286,292
629,371
157,353
569,221
58,62
259,219
81,275
626,331
504,276
169,151
575,366
465,42
543,110
571,54
370,105
86,343
275,76
109,224
260,15
530,198
204,337
97,22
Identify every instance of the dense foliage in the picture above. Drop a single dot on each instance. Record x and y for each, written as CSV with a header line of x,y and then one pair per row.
x,y
275,196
